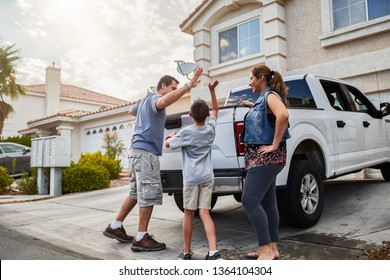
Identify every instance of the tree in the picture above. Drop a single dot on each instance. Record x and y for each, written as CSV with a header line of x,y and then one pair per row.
x,y
113,145
8,85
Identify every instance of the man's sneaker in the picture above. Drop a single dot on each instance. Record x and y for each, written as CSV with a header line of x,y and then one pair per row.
x,y
185,256
118,234
147,243
216,256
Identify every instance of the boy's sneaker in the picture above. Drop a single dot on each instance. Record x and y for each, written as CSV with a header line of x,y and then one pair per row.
x,y
216,256
118,234
185,256
147,243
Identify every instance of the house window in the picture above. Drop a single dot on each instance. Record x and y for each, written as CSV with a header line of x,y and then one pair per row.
x,y
378,8
349,12
239,41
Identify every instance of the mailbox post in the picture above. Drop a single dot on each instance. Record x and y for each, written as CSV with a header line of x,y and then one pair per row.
x,y
50,154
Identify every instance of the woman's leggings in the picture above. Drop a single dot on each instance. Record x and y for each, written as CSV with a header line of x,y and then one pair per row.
x,y
259,200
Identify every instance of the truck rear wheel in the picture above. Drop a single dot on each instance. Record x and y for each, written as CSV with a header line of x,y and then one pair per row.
x,y
179,201
302,201
385,170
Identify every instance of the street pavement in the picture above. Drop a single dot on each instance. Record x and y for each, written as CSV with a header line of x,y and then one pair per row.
x,y
355,218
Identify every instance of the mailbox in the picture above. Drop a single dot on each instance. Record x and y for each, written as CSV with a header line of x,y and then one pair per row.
x,y
52,151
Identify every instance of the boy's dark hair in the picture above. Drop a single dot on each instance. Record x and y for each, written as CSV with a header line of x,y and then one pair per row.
x,y
166,80
200,110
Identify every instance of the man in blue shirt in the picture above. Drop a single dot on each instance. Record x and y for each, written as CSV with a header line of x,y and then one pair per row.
x,y
146,146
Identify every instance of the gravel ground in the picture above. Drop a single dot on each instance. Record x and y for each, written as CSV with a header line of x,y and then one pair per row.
x,y
383,253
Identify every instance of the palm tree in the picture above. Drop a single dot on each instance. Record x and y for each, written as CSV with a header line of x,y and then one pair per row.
x,y
8,86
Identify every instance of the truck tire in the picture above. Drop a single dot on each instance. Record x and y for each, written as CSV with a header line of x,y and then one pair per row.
x,y
385,170
301,202
179,201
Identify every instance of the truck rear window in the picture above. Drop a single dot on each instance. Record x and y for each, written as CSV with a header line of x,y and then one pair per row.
x,y
245,94
299,95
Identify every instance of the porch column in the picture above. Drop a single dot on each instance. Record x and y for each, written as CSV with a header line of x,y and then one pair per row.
x,y
275,35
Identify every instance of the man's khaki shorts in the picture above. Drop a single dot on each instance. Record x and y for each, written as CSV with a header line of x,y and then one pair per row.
x,y
198,197
145,182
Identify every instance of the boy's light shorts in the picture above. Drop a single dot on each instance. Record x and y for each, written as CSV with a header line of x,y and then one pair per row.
x,y
198,197
145,182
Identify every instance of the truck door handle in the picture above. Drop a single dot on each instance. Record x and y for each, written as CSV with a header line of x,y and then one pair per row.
x,y
340,124
366,124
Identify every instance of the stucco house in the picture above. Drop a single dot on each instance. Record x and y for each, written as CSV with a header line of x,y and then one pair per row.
x,y
83,115
51,98
340,39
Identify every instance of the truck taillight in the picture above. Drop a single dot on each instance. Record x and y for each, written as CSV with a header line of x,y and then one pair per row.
x,y
238,126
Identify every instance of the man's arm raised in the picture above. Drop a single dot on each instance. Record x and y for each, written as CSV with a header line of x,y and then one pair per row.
x,y
175,95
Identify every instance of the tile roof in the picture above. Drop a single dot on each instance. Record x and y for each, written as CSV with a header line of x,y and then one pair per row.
x,y
193,13
77,93
74,113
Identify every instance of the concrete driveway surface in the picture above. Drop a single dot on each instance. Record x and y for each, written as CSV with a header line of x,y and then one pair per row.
x,y
355,217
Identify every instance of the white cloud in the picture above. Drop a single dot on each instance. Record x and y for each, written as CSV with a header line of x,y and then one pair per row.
x,y
24,4
36,32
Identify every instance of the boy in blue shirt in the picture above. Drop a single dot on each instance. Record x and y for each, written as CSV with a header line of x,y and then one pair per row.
x,y
198,176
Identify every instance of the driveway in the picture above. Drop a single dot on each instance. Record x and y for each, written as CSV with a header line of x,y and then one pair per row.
x,y
355,218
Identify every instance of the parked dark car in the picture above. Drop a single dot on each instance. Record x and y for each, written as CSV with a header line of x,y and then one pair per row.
x,y
15,157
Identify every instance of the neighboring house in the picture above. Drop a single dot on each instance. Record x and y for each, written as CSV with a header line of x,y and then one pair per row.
x,y
341,39
58,109
86,129
51,98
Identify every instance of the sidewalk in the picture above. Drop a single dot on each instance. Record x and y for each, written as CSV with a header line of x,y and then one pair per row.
x,y
5,199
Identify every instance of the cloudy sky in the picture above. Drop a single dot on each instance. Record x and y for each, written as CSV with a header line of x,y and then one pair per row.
x,y
115,47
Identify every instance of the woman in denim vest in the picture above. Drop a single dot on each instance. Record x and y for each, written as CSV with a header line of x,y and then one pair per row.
x,y
266,132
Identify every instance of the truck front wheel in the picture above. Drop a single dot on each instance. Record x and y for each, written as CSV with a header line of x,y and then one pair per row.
x,y
179,201
302,201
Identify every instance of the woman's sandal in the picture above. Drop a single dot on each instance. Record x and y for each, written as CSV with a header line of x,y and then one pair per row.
x,y
252,255
255,255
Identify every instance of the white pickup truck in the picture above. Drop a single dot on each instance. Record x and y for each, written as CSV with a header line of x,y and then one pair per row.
x,y
335,130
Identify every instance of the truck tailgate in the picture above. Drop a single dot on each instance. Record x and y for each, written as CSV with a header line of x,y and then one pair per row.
x,y
223,150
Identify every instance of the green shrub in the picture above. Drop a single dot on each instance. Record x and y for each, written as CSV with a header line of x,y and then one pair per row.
x,y
112,165
5,179
28,184
84,177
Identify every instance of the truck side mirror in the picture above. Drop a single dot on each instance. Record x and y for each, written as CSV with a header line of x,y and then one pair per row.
x,y
385,108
